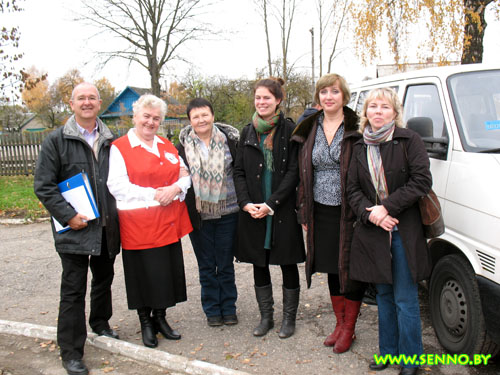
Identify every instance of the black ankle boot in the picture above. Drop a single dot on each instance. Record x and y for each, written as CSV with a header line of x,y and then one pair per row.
x,y
265,300
148,332
290,305
162,326
377,366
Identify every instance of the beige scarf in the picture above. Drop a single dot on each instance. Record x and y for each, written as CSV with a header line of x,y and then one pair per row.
x,y
207,174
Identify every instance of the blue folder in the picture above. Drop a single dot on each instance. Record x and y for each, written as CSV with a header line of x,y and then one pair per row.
x,y
78,193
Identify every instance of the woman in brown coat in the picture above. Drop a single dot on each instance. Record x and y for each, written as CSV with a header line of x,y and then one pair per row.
x,y
389,172
326,139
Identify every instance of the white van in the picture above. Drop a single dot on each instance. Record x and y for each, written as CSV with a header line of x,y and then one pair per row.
x,y
456,110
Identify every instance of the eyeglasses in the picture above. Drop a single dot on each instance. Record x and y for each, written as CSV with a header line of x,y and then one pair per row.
x,y
85,98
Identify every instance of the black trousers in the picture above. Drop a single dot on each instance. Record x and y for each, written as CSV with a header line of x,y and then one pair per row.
x,y
71,326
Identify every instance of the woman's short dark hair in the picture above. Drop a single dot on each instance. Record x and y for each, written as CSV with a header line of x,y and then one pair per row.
x,y
274,85
198,103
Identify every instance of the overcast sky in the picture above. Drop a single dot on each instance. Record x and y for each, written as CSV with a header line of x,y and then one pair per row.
x,y
54,43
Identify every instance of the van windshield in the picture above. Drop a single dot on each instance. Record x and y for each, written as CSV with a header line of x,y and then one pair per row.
x,y
475,99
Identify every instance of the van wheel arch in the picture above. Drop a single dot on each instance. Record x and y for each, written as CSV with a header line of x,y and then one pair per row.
x,y
455,307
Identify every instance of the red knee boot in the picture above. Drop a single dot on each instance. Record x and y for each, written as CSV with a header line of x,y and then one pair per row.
x,y
338,305
347,335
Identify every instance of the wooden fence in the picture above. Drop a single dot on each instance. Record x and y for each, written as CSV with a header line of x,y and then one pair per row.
x,y
18,152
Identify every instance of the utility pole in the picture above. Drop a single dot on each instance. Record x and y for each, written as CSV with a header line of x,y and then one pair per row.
x,y
312,61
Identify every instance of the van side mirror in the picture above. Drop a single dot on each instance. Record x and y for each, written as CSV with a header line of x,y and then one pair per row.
x,y
423,126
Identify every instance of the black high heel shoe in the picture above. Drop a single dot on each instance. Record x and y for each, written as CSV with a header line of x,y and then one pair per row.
x,y
378,366
162,326
148,331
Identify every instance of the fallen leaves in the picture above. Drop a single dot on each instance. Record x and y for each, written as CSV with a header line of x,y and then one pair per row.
x,y
50,345
197,349
254,354
300,362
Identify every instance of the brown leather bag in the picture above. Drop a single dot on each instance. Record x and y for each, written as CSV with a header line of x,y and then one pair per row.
x,y
430,211
432,218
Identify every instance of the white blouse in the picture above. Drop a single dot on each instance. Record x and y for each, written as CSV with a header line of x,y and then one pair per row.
x,y
119,184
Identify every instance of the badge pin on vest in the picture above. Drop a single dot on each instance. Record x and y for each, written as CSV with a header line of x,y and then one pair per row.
x,y
171,157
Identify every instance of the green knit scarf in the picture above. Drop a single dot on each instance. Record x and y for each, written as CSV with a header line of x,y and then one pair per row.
x,y
266,127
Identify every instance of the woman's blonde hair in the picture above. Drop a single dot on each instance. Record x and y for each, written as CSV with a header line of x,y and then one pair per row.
x,y
150,101
391,97
329,80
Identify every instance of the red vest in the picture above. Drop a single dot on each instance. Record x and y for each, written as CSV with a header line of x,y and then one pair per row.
x,y
156,226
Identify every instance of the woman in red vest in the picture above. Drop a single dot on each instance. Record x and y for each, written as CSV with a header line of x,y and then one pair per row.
x,y
149,181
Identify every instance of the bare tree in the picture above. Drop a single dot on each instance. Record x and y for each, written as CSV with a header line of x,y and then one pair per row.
x,y
284,15
340,11
151,31
324,22
332,21
286,20
262,4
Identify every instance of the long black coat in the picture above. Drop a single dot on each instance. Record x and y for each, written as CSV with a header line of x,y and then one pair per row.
x,y
408,178
287,246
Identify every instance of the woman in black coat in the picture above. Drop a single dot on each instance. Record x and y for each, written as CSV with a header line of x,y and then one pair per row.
x,y
266,177
389,172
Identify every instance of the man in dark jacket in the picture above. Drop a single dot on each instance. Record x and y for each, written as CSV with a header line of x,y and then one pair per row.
x,y
315,107
81,145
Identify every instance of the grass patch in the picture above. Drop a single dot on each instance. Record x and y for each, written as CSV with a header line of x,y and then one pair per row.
x,y
18,200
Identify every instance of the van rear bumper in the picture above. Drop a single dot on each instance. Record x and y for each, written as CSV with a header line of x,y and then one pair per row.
x,y
490,301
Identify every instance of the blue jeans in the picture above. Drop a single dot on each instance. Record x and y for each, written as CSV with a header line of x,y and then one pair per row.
x,y
213,247
399,326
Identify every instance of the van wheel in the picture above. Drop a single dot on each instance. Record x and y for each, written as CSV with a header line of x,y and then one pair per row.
x,y
455,305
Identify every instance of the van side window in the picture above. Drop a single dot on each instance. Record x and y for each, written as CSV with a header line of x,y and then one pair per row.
x,y
423,101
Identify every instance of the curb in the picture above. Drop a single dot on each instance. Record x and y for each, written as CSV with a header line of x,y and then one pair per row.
x,y
23,221
170,362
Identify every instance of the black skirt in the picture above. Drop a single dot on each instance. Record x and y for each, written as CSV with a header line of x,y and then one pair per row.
x,y
326,238
154,277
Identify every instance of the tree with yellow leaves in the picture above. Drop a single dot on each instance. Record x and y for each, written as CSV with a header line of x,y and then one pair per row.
x,y
63,88
40,98
51,102
35,93
442,28
106,92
